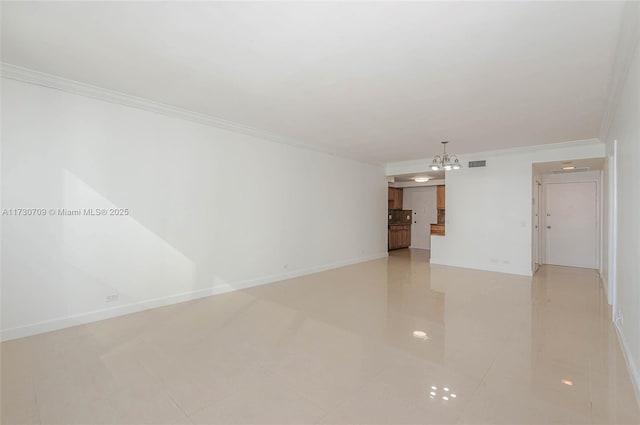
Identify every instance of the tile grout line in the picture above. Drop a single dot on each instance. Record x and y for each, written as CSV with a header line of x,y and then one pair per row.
x,y
482,381
346,400
163,385
35,398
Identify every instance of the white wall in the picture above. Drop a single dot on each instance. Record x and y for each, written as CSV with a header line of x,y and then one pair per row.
x,y
422,201
488,209
210,210
625,128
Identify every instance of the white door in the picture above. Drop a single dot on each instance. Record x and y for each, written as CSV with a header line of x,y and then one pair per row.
x,y
571,224
422,203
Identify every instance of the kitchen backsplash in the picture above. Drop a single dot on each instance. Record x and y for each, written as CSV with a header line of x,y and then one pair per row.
x,y
400,216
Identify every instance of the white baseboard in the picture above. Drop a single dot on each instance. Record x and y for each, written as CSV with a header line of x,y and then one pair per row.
x,y
605,286
96,315
628,358
497,269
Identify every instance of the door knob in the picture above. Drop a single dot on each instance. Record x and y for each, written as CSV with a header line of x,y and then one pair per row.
x,y
548,227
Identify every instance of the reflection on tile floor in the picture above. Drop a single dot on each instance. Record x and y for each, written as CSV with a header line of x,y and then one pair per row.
x,y
339,347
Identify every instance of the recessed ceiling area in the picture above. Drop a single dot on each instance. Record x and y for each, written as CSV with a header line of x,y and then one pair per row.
x,y
376,81
590,164
432,175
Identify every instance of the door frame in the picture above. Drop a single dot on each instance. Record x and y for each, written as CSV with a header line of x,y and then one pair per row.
x,y
536,211
613,230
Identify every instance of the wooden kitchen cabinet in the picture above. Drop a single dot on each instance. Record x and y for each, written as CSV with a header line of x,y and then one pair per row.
x,y
405,236
395,198
437,229
399,236
440,197
393,239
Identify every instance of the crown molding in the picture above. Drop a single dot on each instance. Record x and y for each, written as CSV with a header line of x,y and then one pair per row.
x,y
534,148
31,76
19,73
422,165
628,40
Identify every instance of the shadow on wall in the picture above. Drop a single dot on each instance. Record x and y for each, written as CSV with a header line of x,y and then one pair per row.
x,y
123,256
86,257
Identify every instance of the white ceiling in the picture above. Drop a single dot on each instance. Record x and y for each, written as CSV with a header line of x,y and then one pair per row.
x,y
381,82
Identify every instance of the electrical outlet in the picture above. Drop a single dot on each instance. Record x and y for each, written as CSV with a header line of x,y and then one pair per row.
x,y
111,298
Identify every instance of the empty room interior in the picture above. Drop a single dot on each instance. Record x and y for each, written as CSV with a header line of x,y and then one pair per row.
x,y
320,212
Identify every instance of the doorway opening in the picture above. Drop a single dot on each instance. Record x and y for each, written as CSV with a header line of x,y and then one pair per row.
x,y
567,213
416,208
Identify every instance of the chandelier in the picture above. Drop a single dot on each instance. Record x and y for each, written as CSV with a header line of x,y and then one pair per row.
x,y
445,161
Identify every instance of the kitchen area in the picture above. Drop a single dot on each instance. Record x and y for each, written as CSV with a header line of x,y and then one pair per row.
x,y
415,212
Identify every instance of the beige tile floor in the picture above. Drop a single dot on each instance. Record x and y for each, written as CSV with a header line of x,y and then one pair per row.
x,y
339,347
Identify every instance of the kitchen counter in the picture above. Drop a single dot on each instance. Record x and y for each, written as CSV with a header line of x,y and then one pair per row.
x,y
437,230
